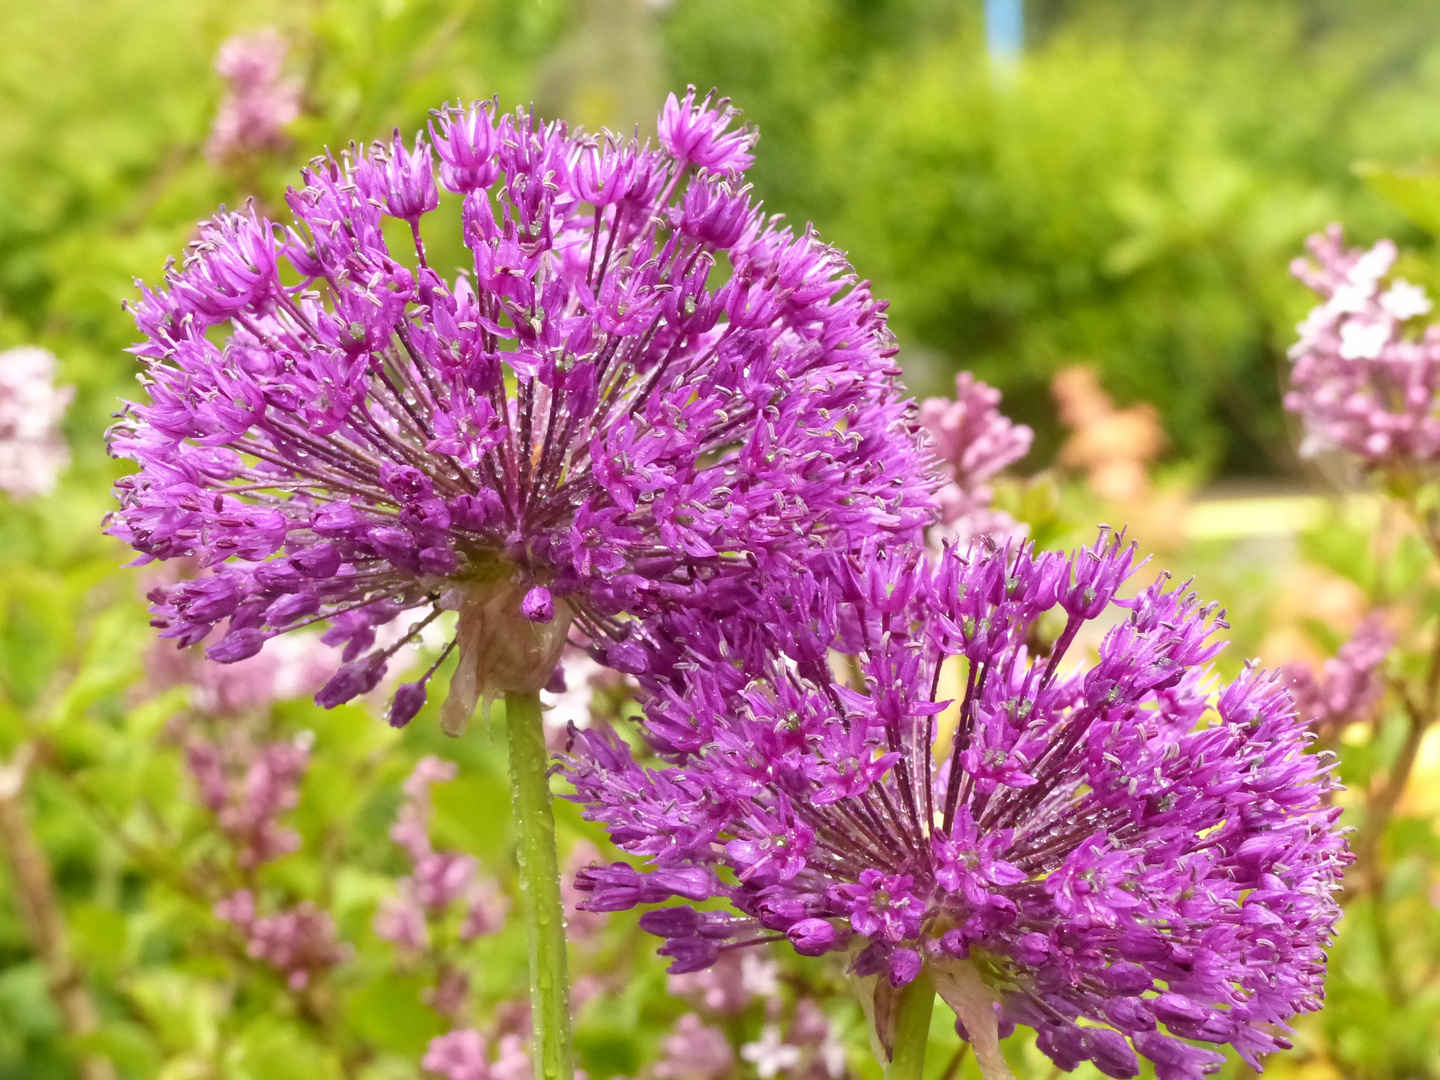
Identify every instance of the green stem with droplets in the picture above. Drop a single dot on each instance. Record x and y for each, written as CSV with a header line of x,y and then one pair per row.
x,y
912,1029
540,887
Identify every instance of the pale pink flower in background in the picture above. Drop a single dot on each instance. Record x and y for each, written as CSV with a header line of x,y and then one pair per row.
x,y
248,788
720,987
759,975
32,449
974,441
770,1054
811,1029
300,943
512,1062
694,1051
259,99
401,921
1349,684
457,1055
464,1055
438,879
486,909
581,926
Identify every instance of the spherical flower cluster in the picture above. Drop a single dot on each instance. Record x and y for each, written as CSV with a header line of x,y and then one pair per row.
x,y
1362,379
592,420
1120,854
259,99
1348,685
974,441
32,450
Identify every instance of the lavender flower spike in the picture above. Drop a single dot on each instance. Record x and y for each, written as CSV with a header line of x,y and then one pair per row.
x,y
582,425
1121,855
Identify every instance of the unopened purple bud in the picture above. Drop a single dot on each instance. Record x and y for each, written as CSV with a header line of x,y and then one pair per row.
x,y
237,645
538,605
466,145
689,954
409,699
353,679
1111,1053
626,656
905,964
670,922
811,937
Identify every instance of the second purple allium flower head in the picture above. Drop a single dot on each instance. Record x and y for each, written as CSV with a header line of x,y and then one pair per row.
x,y
1120,853
637,393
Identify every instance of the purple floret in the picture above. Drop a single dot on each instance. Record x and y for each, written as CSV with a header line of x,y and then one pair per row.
x,y
638,392
1120,853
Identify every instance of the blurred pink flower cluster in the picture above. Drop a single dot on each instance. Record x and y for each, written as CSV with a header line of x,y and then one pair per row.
x,y
259,99
248,786
466,1055
1362,379
1348,685
416,918
32,450
247,790
299,942
974,441
806,1047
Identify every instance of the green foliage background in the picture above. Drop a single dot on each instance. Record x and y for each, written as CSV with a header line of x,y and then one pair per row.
x,y
1130,197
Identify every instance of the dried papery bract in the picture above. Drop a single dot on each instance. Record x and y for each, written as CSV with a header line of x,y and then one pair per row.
x,y
1121,854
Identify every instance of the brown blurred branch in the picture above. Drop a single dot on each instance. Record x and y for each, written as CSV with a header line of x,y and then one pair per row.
x,y
40,911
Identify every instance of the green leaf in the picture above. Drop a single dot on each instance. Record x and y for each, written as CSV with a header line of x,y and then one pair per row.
x,y
1414,192
390,1014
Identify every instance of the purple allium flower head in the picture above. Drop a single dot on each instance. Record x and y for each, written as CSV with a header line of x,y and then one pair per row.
x,y
1363,381
582,425
32,448
1124,843
1349,684
259,99
974,441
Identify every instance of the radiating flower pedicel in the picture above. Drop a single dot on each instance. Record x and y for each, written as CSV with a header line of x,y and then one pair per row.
x,y
639,392
1121,854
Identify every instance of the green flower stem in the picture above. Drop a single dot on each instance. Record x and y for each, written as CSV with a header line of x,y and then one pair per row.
x,y
912,1029
540,887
